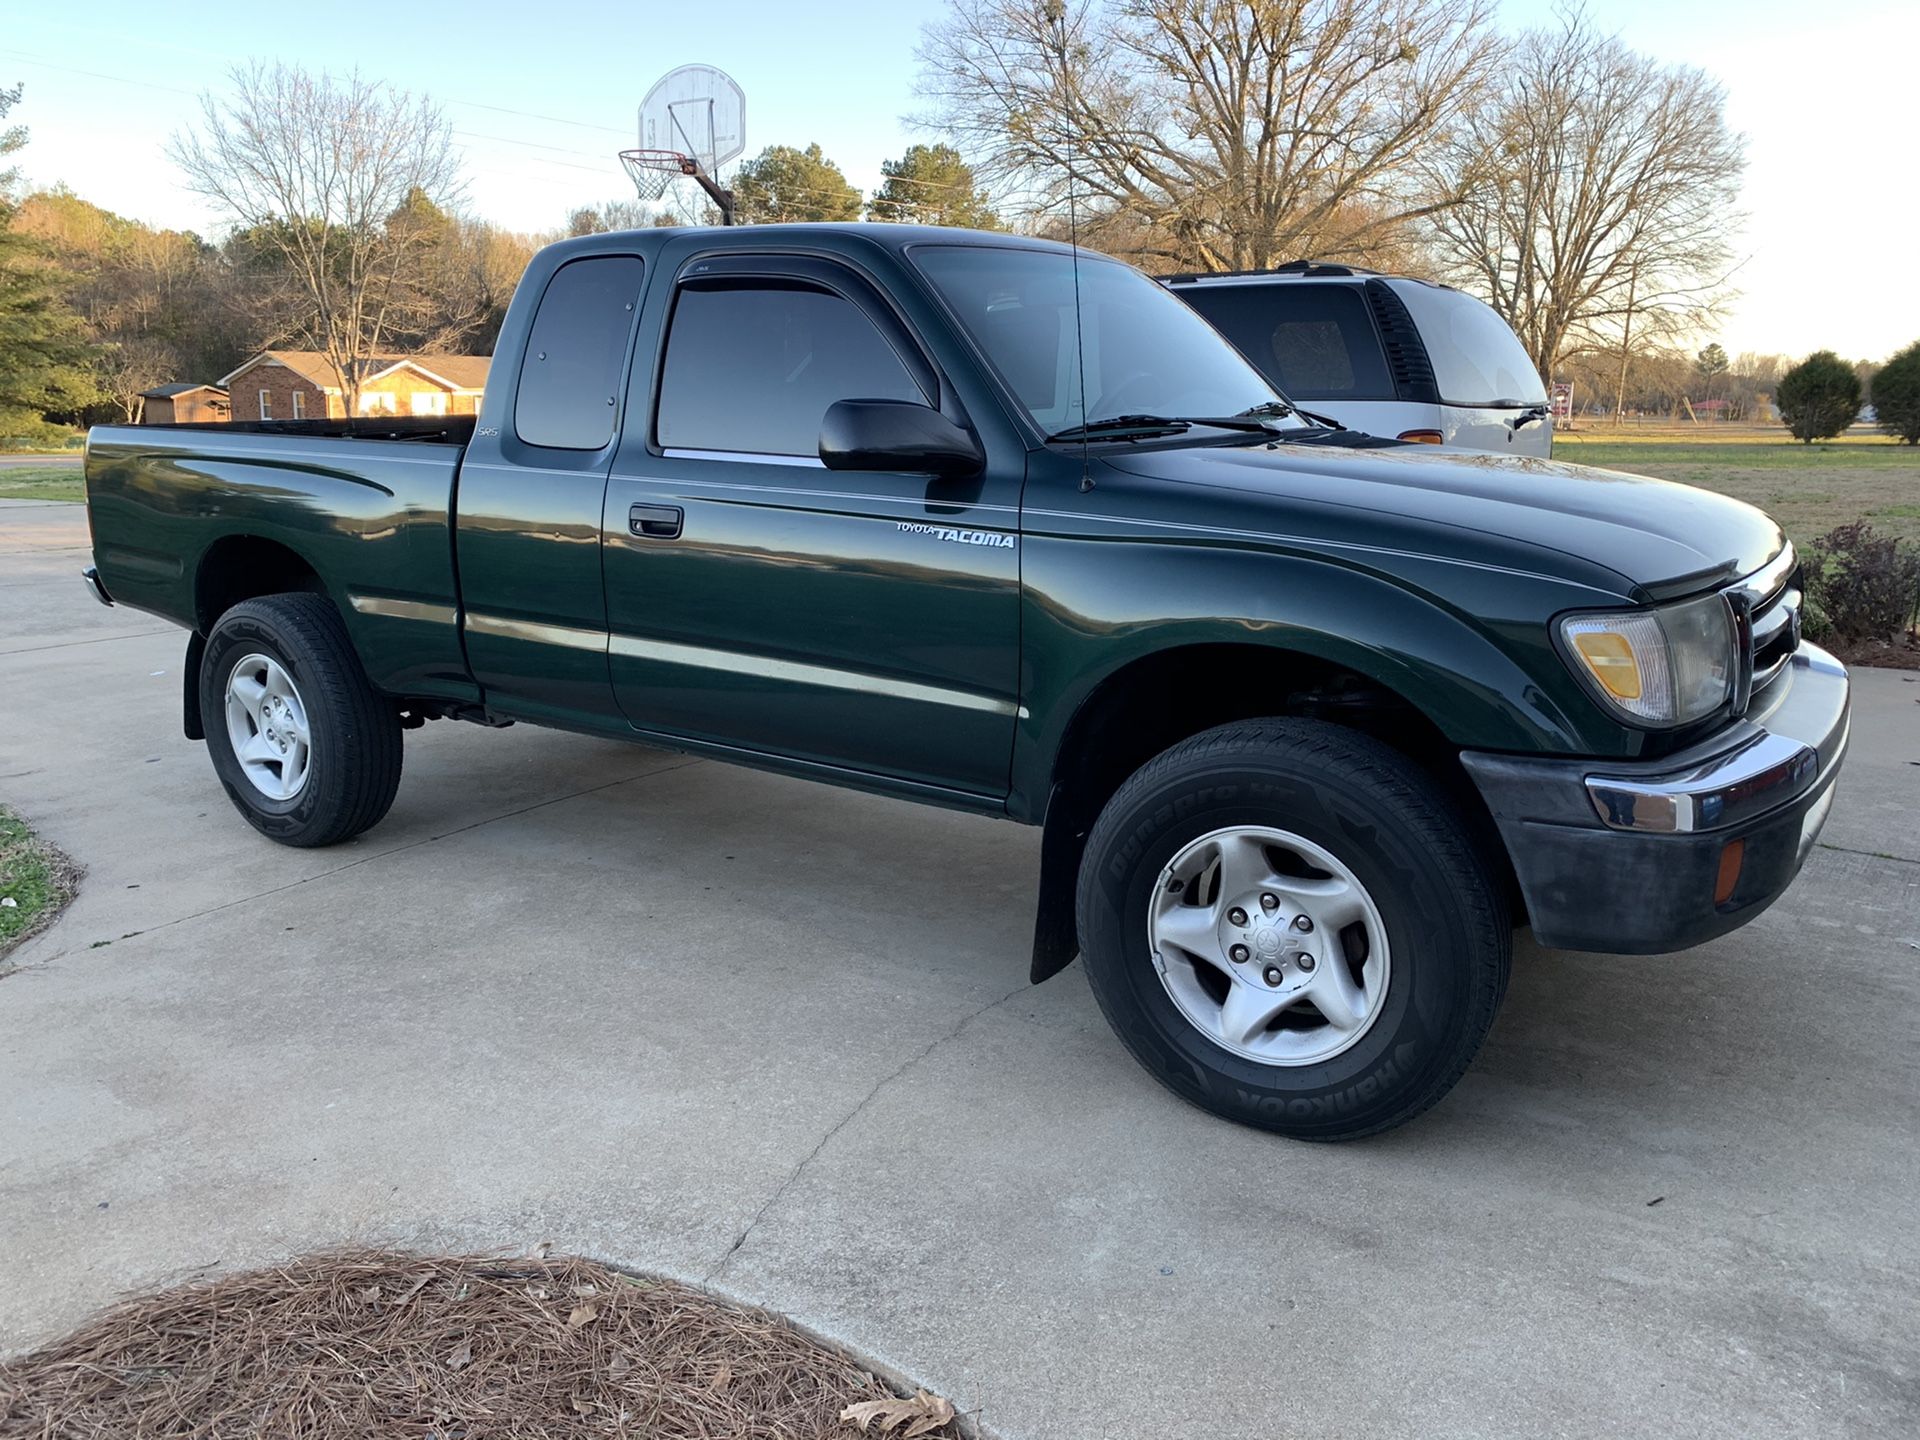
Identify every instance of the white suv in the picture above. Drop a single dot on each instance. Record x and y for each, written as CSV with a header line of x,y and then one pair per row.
x,y
1381,353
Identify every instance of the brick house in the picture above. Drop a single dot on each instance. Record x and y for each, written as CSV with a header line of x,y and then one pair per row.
x,y
301,385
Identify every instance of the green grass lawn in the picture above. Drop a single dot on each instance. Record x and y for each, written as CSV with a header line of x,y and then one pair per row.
x,y
1809,489
41,482
35,877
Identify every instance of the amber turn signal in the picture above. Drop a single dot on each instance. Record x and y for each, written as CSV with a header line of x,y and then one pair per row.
x,y
1731,858
1423,437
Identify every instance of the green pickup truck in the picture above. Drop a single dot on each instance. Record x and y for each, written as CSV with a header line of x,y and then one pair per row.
x,y
1311,719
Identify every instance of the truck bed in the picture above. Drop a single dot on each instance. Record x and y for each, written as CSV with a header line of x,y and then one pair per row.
x,y
355,509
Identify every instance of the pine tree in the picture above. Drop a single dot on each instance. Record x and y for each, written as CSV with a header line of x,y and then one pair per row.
x,y
43,351
1819,397
932,185
1896,396
784,184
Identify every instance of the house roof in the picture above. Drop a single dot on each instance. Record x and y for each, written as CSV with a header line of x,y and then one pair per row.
x,y
166,392
455,372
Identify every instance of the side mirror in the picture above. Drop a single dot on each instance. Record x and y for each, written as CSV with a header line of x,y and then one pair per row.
x,y
897,435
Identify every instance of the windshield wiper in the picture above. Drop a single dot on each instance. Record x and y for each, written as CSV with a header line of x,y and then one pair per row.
x,y
1122,427
1277,409
1281,408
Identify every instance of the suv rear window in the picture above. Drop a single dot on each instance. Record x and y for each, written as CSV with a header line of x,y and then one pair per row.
x,y
1477,359
1314,342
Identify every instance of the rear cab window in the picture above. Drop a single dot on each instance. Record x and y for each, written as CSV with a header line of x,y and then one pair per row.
x,y
570,375
752,365
1313,341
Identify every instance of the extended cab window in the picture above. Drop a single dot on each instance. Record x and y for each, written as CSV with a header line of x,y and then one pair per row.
x,y
1315,342
752,367
571,373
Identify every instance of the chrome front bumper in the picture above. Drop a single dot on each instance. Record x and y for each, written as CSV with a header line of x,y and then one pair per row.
x,y
1785,756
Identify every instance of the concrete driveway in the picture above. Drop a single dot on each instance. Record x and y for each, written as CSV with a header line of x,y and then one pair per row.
x,y
776,1038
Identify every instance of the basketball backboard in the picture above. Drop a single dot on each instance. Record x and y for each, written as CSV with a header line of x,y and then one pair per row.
x,y
698,111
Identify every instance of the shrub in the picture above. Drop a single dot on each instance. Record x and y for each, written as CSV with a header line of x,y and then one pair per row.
x,y
1864,586
1896,395
1819,397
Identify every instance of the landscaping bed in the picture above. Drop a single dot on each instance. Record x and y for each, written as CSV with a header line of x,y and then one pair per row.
x,y
366,1343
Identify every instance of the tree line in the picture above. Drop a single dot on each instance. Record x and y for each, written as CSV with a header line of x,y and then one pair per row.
x,y
1586,191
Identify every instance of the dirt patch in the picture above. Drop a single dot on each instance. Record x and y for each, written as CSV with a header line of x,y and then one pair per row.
x,y
446,1348
36,882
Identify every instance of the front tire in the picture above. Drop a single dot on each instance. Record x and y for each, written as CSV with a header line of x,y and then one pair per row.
x,y
1288,925
308,750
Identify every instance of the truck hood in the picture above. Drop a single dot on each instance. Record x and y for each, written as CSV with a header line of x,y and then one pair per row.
x,y
1664,538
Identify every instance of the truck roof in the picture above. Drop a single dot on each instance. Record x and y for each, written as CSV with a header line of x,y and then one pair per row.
x,y
886,236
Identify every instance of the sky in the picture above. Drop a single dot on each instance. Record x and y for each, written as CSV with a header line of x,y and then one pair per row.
x,y
1824,95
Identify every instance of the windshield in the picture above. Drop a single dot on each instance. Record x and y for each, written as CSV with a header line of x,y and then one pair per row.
x,y
1147,354
1477,359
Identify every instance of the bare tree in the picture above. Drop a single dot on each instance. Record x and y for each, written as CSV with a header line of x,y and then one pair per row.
x,y
131,366
330,175
1598,190
1218,134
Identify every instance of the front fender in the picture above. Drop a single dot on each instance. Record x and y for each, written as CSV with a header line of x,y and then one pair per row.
x,y
1466,645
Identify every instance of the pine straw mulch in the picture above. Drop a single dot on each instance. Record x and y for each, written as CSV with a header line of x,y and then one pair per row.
x,y
372,1343
1900,653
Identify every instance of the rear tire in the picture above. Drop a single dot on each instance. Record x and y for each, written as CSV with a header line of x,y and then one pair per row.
x,y
1257,882
308,750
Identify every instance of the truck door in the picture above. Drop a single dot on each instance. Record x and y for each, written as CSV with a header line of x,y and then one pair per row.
x,y
532,486
865,622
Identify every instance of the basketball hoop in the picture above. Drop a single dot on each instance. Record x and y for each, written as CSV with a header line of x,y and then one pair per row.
x,y
653,170
702,113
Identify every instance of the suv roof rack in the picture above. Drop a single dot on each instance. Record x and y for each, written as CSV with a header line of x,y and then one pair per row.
x,y
1292,267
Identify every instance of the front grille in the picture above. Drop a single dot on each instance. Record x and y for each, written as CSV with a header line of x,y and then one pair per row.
x,y
1767,607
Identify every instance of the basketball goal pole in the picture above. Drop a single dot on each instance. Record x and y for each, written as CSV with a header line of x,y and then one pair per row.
x,y
716,192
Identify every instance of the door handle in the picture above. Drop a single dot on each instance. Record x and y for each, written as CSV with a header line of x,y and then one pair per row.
x,y
655,522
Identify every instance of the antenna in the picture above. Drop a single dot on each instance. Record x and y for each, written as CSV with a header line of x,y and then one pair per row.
x,y
1058,14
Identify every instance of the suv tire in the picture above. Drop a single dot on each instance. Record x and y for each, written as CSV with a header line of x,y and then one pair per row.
x,y
1232,842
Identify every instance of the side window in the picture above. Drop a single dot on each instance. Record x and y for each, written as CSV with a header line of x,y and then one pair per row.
x,y
570,375
752,368
1314,342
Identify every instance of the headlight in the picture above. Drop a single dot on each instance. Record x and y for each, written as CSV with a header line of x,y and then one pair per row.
x,y
1665,666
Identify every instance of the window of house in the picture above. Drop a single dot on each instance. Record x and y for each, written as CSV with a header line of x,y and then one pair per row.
x,y
428,402
568,393
299,405
752,368
266,404
380,402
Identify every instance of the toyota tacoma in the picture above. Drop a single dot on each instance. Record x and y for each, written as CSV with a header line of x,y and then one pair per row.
x,y
1312,720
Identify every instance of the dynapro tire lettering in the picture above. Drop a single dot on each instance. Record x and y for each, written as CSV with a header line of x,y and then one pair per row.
x,y
958,537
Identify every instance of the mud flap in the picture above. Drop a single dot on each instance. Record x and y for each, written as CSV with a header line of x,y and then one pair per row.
x,y
1056,939
190,719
